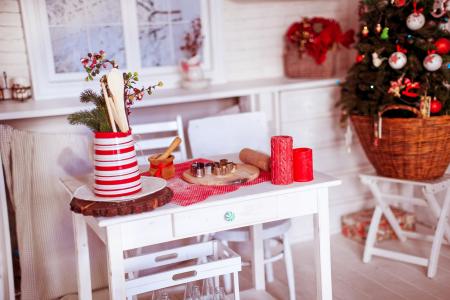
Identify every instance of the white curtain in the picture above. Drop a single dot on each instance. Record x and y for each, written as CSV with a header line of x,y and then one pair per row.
x,y
33,164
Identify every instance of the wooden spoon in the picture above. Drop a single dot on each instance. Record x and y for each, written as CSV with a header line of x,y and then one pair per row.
x,y
170,149
109,105
116,87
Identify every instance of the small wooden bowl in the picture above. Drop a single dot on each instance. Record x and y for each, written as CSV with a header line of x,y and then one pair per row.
x,y
162,168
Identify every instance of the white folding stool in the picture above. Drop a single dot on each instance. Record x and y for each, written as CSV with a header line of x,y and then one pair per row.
x,y
429,190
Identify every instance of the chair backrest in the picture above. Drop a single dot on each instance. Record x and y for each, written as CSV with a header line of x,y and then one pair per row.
x,y
228,134
6,269
151,137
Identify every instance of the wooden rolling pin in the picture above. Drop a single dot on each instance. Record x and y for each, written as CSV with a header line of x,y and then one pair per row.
x,y
255,158
175,143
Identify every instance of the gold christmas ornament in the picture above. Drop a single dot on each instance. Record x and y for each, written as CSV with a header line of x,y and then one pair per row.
x,y
378,28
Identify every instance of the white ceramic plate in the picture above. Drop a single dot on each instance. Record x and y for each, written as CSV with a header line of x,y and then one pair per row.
x,y
150,185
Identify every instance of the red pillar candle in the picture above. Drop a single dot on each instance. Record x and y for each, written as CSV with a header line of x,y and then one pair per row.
x,y
282,160
303,164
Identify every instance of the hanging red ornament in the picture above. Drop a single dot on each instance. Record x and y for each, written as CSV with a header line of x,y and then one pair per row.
x,y
360,58
398,3
442,46
411,88
365,31
435,106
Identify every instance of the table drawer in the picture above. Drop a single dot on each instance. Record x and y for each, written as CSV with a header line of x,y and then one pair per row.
x,y
297,204
147,231
217,218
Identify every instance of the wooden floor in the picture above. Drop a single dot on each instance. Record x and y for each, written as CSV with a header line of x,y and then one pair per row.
x,y
352,279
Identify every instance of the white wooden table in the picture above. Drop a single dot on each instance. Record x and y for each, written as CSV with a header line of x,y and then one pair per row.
x,y
251,205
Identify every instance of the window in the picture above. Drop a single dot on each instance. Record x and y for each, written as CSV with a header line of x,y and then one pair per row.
x,y
142,35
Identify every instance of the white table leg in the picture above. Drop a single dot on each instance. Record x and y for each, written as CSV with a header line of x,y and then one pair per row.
x,y
438,237
258,257
387,211
236,285
435,209
322,247
82,252
372,235
116,270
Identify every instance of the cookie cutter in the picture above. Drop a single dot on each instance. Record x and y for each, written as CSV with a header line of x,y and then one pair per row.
x,y
198,169
220,168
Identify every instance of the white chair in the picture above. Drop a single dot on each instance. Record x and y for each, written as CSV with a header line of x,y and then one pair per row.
x,y
229,134
146,142
6,268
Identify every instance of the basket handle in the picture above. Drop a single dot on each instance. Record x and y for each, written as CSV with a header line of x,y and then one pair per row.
x,y
399,107
378,124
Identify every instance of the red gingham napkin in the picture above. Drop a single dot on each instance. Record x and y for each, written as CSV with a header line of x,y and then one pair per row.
x,y
185,194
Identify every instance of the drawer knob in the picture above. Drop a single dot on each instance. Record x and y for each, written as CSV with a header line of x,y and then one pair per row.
x,y
229,216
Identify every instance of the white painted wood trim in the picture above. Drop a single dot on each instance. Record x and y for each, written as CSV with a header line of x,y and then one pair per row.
x,y
49,85
6,267
12,110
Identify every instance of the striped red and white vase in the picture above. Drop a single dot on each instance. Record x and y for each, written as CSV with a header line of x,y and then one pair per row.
x,y
116,168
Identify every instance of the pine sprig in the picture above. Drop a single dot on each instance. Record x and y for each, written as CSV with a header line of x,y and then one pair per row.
x,y
95,119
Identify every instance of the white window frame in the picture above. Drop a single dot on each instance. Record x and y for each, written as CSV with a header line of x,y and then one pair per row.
x,y
47,84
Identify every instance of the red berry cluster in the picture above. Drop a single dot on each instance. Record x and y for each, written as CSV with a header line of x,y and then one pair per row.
x,y
193,41
94,62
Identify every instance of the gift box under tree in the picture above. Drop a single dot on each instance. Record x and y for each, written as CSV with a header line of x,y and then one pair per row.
x,y
356,225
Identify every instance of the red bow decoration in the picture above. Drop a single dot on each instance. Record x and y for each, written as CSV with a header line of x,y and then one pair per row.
x,y
417,11
404,86
409,87
400,49
318,35
160,167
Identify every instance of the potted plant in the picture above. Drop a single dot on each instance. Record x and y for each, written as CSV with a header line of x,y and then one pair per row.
x,y
397,93
115,164
192,75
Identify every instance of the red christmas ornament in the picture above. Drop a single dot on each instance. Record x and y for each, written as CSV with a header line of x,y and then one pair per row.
x,y
435,106
360,58
442,46
399,3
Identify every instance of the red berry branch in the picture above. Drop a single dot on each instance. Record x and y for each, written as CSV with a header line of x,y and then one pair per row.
x,y
93,64
193,41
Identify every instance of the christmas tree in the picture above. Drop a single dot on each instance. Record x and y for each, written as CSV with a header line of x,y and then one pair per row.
x,y
403,58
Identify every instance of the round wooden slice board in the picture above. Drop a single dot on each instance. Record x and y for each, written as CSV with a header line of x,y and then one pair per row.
x,y
243,173
111,209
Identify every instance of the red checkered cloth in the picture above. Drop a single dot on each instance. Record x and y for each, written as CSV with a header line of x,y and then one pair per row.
x,y
185,194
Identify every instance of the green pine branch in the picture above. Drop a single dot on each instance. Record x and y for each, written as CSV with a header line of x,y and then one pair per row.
x,y
95,119
365,89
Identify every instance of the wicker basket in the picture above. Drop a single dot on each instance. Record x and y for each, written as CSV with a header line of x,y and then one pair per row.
x,y
305,66
409,148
